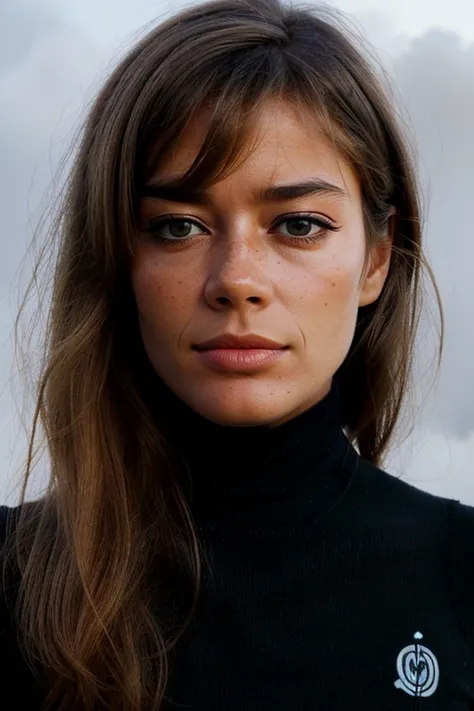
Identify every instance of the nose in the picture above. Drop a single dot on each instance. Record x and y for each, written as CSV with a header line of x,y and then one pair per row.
x,y
238,279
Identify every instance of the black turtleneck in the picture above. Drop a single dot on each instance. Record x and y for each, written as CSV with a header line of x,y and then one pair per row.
x,y
320,568
327,584
261,481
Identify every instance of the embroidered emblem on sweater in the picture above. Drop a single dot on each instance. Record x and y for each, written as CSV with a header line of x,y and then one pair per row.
x,y
417,669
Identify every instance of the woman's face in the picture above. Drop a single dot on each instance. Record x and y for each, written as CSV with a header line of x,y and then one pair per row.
x,y
241,261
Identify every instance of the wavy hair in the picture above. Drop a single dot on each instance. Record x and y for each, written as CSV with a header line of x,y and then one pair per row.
x,y
100,552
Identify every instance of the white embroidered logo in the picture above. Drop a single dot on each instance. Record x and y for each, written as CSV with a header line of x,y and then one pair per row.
x,y
418,669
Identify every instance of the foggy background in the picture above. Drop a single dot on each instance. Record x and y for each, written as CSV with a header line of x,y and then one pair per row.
x,y
54,56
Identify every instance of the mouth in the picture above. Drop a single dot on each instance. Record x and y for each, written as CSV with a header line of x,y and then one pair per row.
x,y
244,342
240,354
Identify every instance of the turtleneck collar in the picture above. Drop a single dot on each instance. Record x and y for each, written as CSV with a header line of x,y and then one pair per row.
x,y
260,478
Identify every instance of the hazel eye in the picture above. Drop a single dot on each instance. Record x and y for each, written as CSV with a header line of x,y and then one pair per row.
x,y
174,228
300,226
305,228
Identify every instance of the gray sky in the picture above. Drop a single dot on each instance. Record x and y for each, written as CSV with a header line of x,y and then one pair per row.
x,y
53,55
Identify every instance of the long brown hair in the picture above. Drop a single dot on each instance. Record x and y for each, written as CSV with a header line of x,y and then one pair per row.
x,y
96,551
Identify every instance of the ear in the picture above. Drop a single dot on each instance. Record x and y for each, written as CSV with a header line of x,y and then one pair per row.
x,y
379,264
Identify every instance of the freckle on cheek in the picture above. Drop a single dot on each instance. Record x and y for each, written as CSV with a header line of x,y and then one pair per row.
x,y
333,284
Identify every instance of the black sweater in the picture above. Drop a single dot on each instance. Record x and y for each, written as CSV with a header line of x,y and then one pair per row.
x,y
330,585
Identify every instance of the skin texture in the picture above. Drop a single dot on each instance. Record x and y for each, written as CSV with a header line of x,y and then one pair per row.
x,y
242,272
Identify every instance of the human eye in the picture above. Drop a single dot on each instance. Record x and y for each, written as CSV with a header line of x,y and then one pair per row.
x,y
303,227
173,229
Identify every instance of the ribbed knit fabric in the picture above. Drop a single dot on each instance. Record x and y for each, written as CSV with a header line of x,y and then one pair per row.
x,y
321,569
261,481
328,584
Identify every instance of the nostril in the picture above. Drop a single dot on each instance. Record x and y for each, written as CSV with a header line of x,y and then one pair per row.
x,y
225,301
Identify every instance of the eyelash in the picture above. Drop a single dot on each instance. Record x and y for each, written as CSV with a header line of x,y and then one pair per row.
x,y
325,225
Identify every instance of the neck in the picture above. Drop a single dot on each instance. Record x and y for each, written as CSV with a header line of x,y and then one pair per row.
x,y
260,476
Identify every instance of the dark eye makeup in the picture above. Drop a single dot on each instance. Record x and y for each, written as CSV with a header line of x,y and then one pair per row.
x,y
175,229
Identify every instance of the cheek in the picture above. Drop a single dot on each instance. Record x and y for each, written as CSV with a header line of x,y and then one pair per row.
x,y
340,291
333,286
160,300
331,303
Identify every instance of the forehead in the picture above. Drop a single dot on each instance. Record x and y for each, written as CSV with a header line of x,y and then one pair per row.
x,y
284,142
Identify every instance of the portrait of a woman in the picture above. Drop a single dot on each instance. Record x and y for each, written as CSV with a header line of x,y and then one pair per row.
x,y
236,293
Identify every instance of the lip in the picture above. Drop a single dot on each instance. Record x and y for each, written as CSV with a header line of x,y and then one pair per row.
x,y
241,360
240,354
233,342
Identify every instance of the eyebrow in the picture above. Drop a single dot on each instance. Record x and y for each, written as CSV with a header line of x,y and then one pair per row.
x,y
174,192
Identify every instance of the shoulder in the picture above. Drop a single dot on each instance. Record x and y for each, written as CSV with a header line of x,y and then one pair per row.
x,y
400,500
440,528
8,520
9,571
19,681
461,565
394,503
8,582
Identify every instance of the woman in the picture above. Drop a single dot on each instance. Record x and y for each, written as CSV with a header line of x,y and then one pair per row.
x,y
235,301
